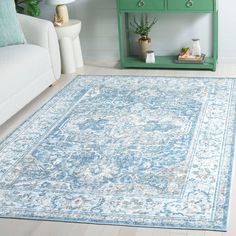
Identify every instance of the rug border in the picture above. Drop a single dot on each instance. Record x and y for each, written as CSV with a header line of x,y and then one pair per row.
x,y
106,222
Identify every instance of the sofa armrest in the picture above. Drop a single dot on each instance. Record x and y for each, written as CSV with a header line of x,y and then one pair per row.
x,y
42,33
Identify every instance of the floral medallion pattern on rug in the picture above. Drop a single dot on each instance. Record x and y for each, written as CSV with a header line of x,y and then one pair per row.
x,y
145,151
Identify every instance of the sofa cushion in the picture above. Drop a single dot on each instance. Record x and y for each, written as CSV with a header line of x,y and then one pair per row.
x,y
10,29
19,66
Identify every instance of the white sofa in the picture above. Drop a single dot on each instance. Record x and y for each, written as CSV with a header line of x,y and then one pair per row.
x,y
28,69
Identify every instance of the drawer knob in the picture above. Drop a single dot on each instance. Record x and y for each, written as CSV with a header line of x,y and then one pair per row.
x,y
189,3
140,3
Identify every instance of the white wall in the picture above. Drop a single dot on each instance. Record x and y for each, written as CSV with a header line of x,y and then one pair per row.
x,y
99,36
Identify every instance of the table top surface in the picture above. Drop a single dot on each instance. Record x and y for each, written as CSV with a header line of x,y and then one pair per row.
x,y
71,22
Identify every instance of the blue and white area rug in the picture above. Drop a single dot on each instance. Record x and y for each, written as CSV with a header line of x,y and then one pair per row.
x,y
141,151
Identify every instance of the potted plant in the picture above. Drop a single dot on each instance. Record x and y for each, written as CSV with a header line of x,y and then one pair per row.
x,y
143,28
32,7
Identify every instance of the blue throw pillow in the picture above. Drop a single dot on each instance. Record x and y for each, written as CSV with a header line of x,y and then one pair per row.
x,y
10,29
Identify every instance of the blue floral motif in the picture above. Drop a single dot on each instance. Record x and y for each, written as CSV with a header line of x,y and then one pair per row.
x,y
146,151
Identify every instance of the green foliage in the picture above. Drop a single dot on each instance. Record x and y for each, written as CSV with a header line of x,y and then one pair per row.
x,y
142,27
184,49
31,7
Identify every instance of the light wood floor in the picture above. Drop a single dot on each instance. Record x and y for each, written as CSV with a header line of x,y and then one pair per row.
x,y
12,227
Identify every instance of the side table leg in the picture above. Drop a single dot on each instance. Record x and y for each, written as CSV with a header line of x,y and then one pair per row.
x,y
67,56
78,53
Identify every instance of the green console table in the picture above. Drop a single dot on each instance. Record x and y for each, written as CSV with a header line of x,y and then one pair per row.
x,y
124,7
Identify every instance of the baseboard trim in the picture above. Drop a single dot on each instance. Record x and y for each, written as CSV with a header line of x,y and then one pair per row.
x,y
227,60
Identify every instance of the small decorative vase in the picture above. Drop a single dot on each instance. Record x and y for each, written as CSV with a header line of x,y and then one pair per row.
x,y
150,58
144,43
196,48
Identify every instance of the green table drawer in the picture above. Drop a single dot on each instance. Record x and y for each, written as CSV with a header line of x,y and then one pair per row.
x,y
142,5
191,5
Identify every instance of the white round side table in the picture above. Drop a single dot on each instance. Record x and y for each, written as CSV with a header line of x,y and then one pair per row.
x,y
71,55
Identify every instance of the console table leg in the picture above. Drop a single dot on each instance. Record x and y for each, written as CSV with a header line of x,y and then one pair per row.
x,y
215,39
120,29
127,32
